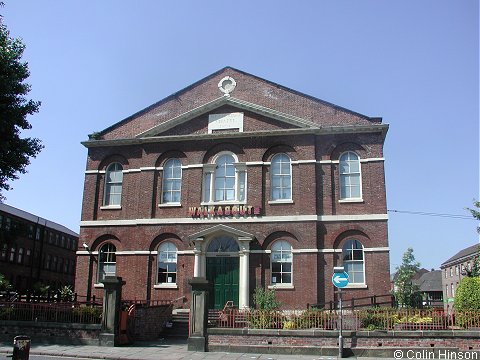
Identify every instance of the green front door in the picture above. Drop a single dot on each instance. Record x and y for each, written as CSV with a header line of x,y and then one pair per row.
x,y
223,273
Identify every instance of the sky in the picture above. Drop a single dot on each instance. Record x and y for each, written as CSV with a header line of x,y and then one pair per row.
x,y
413,63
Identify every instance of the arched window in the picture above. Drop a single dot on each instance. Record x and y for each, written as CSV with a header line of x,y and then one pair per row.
x,y
107,261
167,263
224,180
281,178
172,181
281,263
350,176
352,255
223,243
113,185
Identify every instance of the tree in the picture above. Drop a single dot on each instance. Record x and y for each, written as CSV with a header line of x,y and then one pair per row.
x,y
475,212
15,152
405,290
475,270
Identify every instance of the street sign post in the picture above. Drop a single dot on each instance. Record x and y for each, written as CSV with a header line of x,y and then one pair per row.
x,y
340,280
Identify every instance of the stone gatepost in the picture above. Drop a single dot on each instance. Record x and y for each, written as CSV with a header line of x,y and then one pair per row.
x,y
197,340
112,296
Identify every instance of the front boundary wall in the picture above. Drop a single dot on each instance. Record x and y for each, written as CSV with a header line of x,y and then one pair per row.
x,y
51,332
421,344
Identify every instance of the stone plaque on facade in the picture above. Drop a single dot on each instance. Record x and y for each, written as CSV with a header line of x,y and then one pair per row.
x,y
230,121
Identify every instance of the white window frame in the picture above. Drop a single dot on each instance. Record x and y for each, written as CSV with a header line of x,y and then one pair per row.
x,y
348,246
281,175
279,254
168,178
111,259
350,174
209,176
107,195
171,257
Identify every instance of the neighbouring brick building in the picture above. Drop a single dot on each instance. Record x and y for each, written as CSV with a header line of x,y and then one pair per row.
x,y
35,250
454,270
243,181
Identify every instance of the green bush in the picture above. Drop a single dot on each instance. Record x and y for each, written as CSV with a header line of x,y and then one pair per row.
x,y
265,299
87,314
467,296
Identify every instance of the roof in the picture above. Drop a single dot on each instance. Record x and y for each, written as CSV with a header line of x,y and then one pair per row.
x,y
462,255
430,281
36,219
252,93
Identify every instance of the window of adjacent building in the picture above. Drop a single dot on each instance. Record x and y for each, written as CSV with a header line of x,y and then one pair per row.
x,y
281,178
113,185
107,262
8,223
281,263
452,290
352,255
451,271
30,231
28,257
446,273
20,256
456,270
13,250
167,263
446,291
350,176
172,182
224,180
3,253
48,261
66,268
37,234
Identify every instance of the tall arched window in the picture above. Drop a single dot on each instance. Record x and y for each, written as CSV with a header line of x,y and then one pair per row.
x,y
113,185
167,263
352,255
350,176
281,178
107,261
172,181
224,180
281,263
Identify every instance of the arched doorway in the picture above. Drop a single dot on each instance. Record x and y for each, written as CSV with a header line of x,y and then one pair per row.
x,y
222,270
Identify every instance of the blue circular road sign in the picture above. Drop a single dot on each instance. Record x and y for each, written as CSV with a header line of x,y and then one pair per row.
x,y
340,280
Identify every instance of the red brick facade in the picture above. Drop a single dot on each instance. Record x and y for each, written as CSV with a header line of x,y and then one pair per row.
x,y
314,220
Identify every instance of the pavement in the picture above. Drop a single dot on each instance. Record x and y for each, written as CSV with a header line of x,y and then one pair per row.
x,y
164,349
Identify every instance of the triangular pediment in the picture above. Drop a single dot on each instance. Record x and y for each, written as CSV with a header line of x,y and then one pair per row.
x,y
219,229
280,107
236,103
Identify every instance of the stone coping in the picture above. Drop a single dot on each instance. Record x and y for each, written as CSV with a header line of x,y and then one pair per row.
x,y
349,333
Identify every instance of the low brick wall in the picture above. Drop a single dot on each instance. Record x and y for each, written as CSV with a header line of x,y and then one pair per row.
x,y
150,321
50,332
359,343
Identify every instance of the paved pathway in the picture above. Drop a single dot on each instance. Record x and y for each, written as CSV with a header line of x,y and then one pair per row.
x,y
163,349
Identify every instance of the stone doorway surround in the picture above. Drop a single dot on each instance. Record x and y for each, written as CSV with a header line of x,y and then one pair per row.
x,y
201,241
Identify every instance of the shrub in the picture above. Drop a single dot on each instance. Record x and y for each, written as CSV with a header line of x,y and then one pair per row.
x,y
467,296
265,299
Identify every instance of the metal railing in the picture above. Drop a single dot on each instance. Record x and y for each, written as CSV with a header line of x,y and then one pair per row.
x,y
365,319
83,313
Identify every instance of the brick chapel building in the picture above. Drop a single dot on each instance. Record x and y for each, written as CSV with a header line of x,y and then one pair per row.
x,y
242,181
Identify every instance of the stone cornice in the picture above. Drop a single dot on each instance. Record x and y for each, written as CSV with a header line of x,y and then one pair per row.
x,y
323,130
